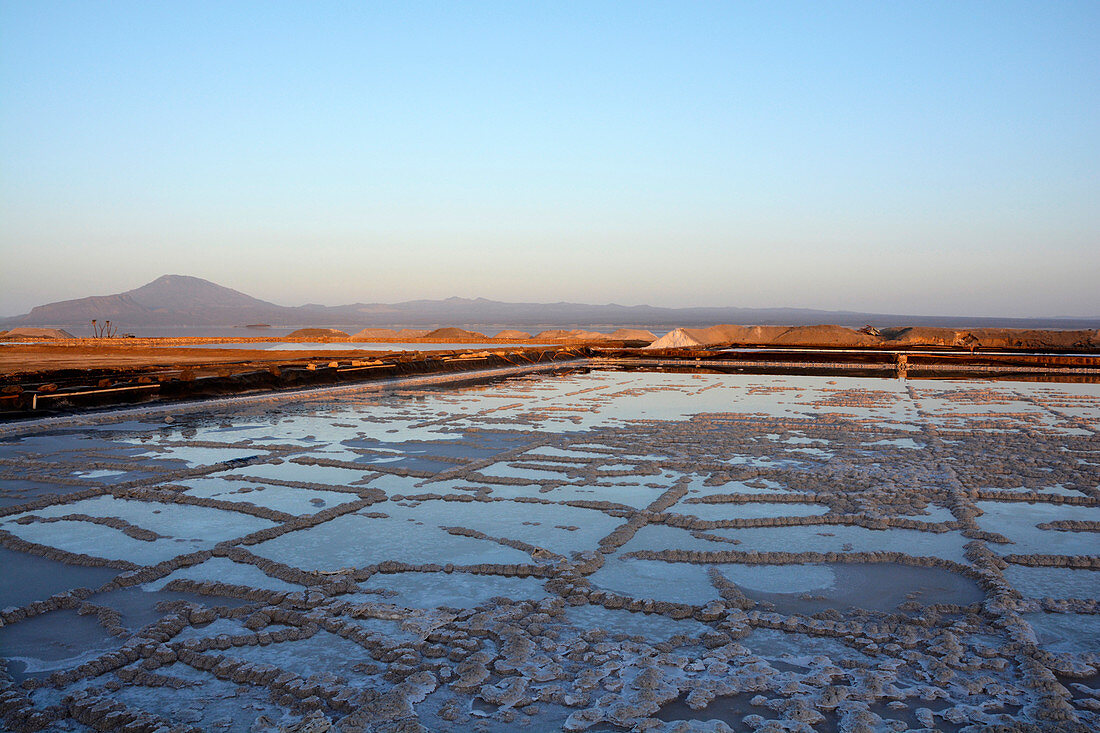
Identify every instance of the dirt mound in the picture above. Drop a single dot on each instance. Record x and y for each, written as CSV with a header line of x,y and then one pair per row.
x,y
898,337
511,333
723,334
991,338
1020,338
677,339
747,335
306,333
576,334
37,333
827,335
918,336
554,334
412,333
457,334
632,334
368,334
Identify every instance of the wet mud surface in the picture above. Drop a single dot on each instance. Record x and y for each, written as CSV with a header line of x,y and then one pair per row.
x,y
582,550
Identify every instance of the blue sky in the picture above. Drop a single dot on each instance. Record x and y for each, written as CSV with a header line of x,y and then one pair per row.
x,y
923,157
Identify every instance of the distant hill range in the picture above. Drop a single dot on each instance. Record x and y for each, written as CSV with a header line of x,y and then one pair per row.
x,y
180,300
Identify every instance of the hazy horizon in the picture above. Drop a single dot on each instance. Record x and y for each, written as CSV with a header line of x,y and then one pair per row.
x,y
930,159
593,303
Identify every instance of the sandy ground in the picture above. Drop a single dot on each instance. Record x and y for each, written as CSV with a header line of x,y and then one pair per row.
x,y
36,358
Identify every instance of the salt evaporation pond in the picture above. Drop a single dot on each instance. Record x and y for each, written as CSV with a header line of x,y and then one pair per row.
x,y
579,550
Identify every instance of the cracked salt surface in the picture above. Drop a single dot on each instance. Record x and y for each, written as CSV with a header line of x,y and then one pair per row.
x,y
530,553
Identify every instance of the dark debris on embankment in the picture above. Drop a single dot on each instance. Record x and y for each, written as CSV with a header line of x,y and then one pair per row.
x,y
957,364
64,391
44,392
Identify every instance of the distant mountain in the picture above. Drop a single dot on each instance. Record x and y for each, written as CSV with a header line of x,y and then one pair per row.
x,y
184,293
180,300
170,300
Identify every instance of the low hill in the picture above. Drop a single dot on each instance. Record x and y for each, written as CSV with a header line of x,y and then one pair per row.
x,y
36,333
329,333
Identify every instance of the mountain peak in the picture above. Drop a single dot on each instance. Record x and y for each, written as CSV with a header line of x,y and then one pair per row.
x,y
184,292
179,280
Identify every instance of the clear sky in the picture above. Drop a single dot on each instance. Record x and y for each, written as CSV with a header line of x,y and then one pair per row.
x,y
912,157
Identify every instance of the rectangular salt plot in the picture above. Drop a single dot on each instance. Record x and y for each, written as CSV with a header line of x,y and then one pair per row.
x,y
555,527
650,626
1018,521
454,590
1053,490
779,578
662,581
223,570
218,626
51,641
698,488
182,521
100,473
356,540
1053,582
638,497
748,510
198,456
932,514
393,631
895,443
809,538
25,578
1066,633
49,447
847,538
773,644
291,471
661,537
546,450
321,653
522,473
616,481
183,528
15,491
304,428
289,499
209,703
96,540
400,429
403,485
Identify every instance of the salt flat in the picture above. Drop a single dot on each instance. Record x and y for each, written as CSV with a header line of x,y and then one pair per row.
x,y
581,549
